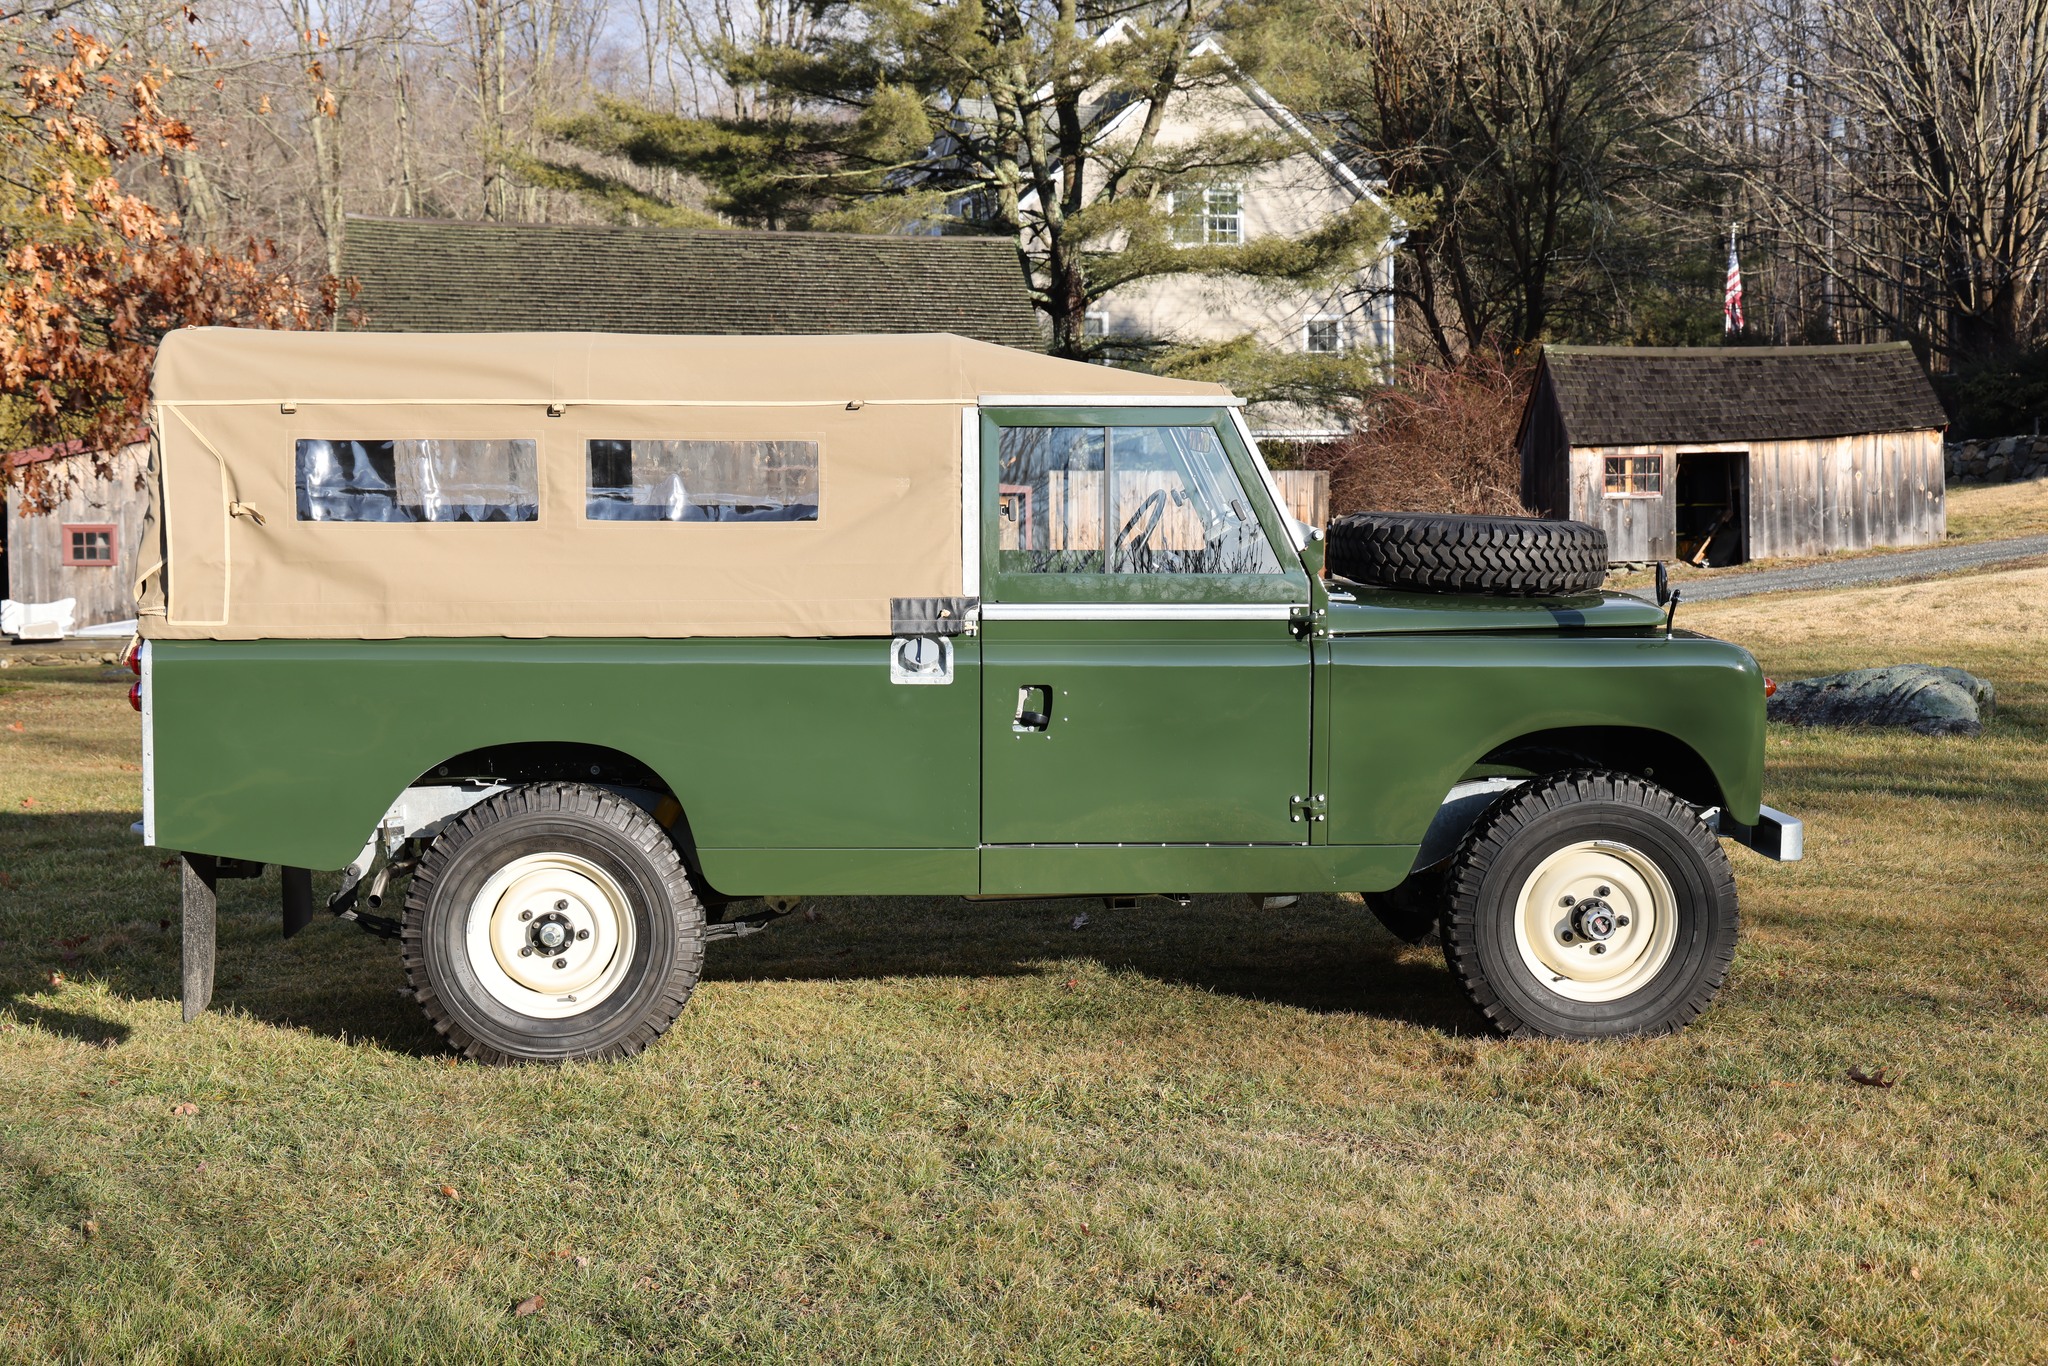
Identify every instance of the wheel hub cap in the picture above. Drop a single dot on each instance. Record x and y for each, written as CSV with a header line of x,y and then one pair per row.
x,y
551,935
1596,921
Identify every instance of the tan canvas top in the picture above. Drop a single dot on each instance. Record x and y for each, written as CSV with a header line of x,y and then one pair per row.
x,y
229,551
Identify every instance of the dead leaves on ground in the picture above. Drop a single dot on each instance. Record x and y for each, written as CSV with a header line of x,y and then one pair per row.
x,y
532,1304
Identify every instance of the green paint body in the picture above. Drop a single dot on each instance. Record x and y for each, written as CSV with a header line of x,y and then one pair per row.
x,y
1176,756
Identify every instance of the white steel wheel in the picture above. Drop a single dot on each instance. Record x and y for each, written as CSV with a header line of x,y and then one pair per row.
x,y
550,935
1589,905
1596,921
550,923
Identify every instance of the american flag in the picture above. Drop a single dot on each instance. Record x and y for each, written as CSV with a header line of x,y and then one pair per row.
x,y
1731,296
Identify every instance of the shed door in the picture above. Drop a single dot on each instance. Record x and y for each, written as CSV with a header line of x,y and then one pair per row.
x,y
1141,681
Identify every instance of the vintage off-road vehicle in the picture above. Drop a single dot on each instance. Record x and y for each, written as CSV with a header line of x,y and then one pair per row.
x,y
592,648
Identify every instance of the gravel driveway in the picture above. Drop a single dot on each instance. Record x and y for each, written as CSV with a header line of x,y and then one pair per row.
x,y
1906,564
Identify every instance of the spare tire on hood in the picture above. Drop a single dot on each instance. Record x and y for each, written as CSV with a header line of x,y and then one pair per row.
x,y
1431,553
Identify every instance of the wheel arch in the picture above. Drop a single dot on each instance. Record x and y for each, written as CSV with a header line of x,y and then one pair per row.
x,y
1639,751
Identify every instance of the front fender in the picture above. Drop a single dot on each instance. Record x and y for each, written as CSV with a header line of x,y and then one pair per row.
x,y
1411,715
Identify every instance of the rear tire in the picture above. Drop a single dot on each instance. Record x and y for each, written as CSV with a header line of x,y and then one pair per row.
x,y
550,923
1590,905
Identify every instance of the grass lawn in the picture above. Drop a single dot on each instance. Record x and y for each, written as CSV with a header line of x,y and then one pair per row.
x,y
952,1132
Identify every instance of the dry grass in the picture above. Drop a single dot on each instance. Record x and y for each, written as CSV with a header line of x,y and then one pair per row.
x,y
1985,512
940,1131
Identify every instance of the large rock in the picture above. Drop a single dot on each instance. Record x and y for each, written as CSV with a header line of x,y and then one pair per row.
x,y
1920,697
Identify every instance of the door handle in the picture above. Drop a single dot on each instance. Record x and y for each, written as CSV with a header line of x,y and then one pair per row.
x,y
1034,708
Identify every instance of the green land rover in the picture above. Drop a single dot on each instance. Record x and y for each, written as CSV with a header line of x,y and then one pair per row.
x,y
588,649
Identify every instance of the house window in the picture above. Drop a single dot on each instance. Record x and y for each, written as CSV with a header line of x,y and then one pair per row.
x,y
1325,336
86,545
703,481
1223,215
1211,217
1631,476
1095,326
429,480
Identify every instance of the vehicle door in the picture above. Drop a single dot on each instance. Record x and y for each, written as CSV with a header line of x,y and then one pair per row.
x,y
1143,683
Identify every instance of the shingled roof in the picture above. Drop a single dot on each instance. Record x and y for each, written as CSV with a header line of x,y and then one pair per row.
x,y
436,275
1634,396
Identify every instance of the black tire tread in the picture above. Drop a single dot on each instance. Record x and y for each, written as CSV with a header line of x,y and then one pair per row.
x,y
1488,839
556,798
1504,556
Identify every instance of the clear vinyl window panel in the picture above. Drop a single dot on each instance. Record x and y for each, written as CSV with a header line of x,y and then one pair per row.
x,y
1124,500
703,481
424,480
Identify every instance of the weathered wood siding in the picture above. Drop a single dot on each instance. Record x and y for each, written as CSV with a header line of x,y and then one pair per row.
x,y
1805,497
1306,494
1846,493
36,571
1546,484
1638,527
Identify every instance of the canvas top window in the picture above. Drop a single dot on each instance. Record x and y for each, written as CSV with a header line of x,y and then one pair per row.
x,y
384,479
702,481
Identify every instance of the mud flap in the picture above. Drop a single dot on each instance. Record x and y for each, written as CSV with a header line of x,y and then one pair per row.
x,y
197,875
298,899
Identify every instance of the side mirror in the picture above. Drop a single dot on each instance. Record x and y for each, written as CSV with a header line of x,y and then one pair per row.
x,y
1663,584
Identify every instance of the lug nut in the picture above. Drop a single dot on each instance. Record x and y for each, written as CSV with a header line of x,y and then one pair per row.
x,y
561,962
1597,891
526,915
585,934
1567,936
1621,920
526,952
561,905
1569,901
1597,948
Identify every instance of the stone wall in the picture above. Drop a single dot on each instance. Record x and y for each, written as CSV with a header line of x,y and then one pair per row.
x,y
1999,460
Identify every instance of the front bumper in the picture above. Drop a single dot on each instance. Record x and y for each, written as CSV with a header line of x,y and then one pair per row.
x,y
1775,834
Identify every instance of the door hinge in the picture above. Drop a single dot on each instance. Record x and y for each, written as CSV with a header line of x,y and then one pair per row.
x,y
1309,623
1316,808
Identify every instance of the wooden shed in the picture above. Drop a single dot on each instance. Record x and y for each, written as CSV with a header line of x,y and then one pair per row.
x,y
1719,455
84,545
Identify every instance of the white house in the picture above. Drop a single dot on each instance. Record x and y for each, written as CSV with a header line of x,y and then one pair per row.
x,y
1290,198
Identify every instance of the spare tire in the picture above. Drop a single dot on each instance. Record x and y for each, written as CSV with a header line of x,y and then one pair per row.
x,y
1430,553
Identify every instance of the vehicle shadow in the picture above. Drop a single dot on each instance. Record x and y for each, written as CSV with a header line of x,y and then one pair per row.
x,y
1324,955
83,898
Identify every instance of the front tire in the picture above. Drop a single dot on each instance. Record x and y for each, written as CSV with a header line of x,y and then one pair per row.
x,y
1590,905
552,922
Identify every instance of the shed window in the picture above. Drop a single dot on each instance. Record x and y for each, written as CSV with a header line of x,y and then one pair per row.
x,y
1629,475
423,480
1325,335
703,481
89,545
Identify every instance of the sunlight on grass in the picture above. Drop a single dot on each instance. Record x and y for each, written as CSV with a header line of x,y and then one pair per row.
x,y
951,1131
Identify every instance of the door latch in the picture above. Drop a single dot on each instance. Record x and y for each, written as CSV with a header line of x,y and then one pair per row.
x,y
1034,708
1316,808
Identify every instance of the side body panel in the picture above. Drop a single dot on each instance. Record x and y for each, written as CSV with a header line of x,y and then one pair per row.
x,y
1410,714
801,766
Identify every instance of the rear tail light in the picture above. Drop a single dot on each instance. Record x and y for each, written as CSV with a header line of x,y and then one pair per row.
x,y
135,696
133,659
1770,687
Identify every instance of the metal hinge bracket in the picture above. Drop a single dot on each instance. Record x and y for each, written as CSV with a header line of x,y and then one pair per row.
x,y
1309,623
1316,808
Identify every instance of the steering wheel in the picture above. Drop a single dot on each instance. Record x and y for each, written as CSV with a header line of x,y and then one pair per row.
x,y
1155,504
